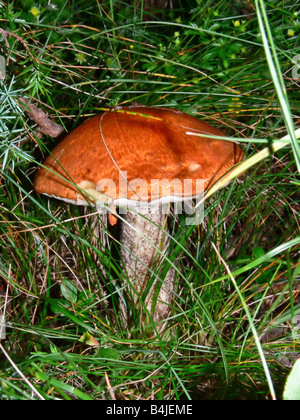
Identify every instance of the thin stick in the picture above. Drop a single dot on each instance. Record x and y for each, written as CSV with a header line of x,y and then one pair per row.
x,y
109,388
2,317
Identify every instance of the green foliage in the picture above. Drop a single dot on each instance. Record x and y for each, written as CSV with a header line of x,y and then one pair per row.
x,y
208,59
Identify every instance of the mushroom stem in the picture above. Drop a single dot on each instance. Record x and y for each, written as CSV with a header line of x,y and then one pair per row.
x,y
145,240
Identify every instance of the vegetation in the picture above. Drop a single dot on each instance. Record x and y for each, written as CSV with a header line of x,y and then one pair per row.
x,y
234,328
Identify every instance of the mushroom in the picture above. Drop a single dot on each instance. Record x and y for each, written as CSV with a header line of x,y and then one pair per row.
x,y
139,159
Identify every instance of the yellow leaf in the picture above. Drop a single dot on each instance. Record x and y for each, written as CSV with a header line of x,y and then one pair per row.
x,y
89,340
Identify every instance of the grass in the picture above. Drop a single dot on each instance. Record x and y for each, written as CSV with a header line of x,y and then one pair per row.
x,y
238,273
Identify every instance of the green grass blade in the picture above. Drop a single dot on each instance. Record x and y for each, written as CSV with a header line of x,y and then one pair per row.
x,y
276,73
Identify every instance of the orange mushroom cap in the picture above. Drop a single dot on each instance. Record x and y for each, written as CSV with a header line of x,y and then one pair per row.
x,y
115,150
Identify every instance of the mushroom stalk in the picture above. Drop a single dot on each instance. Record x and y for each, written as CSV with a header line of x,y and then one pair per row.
x,y
145,240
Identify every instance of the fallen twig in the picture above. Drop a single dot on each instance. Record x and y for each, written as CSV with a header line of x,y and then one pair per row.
x,y
44,123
